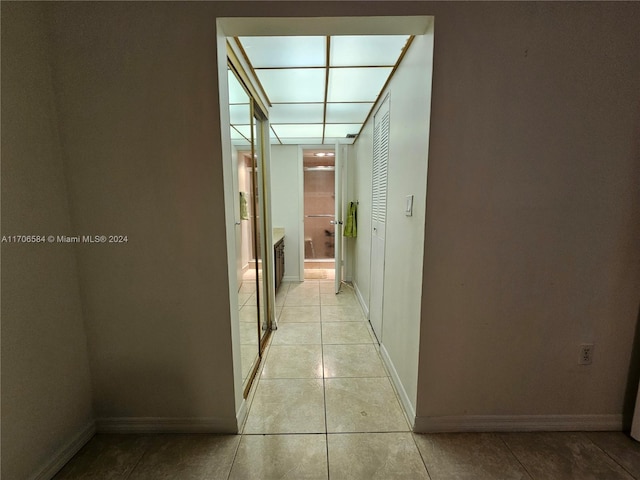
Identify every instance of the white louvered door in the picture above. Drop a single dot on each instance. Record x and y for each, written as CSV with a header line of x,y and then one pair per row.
x,y
379,214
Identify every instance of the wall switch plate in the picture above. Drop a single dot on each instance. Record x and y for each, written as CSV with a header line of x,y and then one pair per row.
x,y
586,354
408,209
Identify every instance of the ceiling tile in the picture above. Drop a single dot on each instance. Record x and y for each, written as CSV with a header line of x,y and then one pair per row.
x,y
340,140
341,130
301,131
237,94
382,50
235,135
295,85
285,51
243,129
302,141
356,84
348,112
240,114
296,113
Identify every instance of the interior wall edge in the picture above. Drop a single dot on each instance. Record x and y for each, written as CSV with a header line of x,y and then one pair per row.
x,y
229,212
408,406
66,452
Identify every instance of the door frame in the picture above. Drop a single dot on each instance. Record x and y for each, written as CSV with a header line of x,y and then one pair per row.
x,y
259,135
313,24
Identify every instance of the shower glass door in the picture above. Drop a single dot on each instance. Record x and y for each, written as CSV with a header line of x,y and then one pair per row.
x,y
319,213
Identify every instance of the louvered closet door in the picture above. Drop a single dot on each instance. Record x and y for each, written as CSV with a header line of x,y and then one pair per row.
x,y
379,214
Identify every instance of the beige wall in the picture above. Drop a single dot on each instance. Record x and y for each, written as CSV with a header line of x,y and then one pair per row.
x,y
533,218
46,391
285,200
137,87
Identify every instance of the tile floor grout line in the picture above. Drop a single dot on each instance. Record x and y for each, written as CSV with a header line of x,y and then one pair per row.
x,y
139,460
526,470
586,434
355,432
324,380
324,393
424,460
235,456
280,434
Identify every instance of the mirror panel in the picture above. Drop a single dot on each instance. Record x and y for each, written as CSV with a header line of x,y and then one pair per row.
x,y
245,229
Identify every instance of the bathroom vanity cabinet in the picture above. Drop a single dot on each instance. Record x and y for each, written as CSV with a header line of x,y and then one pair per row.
x,y
278,255
279,261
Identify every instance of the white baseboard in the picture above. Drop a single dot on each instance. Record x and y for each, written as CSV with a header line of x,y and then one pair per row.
x,y
65,453
518,423
363,304
409,409
291,278
167,425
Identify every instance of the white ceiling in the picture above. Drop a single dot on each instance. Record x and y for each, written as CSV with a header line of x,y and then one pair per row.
x,y
316,97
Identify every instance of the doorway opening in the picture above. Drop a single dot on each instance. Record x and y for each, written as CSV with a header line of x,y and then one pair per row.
x,y
319,214
323,82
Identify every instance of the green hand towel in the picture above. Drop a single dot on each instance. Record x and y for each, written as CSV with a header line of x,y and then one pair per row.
x,y
244,211
350,229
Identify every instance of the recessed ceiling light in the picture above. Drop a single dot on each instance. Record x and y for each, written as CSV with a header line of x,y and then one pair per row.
x,y
320,154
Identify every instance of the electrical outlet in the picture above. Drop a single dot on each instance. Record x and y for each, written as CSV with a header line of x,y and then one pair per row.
x,y
586,354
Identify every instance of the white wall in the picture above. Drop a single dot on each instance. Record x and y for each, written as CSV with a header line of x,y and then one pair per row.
x,y
46,390
533,217
410,101
285,195
410,98
137,88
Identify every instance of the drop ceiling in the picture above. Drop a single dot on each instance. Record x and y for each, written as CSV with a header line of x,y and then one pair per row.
x,y
321,89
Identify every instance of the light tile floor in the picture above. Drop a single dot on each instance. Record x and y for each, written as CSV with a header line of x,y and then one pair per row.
x,y
323,406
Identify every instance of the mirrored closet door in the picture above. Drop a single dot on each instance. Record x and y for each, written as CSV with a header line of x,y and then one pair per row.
x,y
248,123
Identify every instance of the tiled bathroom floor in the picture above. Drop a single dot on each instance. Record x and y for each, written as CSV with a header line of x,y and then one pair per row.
x,y
324,407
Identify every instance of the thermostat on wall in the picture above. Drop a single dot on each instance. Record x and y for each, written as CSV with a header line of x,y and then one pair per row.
x,y
408,209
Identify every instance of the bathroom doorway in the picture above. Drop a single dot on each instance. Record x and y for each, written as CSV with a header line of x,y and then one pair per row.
x,y
319,167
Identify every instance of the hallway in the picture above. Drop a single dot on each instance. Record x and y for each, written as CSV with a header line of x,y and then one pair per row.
x,y
322,371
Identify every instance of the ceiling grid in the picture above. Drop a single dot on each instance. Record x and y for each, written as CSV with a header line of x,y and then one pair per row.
x,y
321,88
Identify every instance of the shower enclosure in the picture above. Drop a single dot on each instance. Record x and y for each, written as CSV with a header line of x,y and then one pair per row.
x,y
319,209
